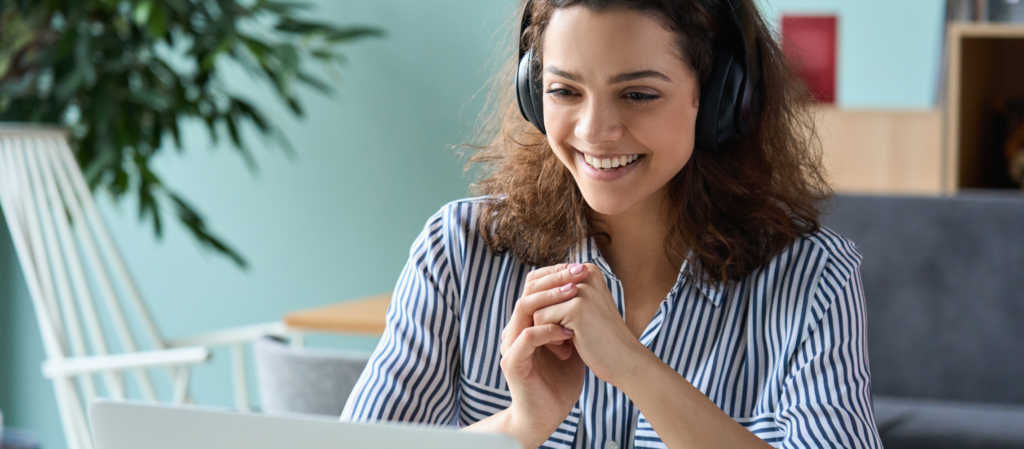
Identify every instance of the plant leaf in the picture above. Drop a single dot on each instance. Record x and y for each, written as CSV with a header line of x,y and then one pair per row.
x,y
194,222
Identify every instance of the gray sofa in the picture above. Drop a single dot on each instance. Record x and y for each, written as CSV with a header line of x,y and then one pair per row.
x,y
944,286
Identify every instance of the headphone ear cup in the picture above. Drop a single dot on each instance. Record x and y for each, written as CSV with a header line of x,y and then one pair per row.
x,y
528,91
523,88
719,103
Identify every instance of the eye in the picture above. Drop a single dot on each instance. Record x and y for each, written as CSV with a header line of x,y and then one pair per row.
x,y
560,94
641,98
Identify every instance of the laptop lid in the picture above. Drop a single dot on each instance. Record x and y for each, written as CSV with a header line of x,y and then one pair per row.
x,y
127,425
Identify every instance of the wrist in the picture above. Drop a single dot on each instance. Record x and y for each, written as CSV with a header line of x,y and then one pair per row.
x,y
523,430
636,370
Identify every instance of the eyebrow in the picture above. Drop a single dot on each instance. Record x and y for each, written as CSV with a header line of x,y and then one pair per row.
x,y
621,78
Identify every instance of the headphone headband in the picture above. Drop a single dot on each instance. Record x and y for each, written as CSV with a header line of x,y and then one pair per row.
x,y
527,21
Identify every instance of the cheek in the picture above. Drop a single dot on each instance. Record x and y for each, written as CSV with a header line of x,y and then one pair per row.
x,y
559,127
671,134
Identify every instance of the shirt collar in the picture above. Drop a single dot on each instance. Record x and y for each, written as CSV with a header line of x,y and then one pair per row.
x,y
589,253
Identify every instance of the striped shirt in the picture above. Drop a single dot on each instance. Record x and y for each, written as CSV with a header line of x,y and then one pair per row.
x,y
782,351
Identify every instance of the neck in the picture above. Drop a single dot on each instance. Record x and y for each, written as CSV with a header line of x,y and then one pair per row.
x,y
637,247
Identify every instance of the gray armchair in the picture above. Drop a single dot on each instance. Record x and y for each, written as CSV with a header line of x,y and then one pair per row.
x,y
305,380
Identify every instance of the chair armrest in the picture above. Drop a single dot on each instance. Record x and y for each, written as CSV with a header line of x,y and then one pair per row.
x,y
74,366
231,336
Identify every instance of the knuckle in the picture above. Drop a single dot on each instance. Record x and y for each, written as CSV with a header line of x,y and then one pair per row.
x,y
576,307
528,288
523,306
554,293
563,277
530,333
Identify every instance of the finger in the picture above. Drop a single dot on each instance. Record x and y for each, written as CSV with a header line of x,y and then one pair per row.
x,y
559,349
594,275
561,314
518,361
558,283
522,314
555,278
551,289
544,271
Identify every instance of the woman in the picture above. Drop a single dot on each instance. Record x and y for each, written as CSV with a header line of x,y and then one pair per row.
x,y
646,266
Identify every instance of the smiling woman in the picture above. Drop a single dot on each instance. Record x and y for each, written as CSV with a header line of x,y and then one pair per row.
x,y
645,266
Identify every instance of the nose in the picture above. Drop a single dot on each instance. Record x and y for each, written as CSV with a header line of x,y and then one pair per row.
x,y
598,123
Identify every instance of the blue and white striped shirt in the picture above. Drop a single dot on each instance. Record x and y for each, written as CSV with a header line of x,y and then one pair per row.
x,y
782,351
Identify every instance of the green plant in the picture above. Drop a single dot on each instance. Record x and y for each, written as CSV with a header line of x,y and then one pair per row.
x,y
124,75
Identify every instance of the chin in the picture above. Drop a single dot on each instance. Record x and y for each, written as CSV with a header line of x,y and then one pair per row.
x,y
608,206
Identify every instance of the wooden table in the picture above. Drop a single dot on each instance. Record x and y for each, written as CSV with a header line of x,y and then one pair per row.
x,y
359,316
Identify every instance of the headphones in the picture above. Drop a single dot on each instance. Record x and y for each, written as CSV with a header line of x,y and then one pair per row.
x,y
730,100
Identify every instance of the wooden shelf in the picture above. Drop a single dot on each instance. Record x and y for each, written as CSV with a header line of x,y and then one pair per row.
x,y
986,67
994,30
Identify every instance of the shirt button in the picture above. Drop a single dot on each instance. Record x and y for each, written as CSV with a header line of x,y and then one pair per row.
x,y
611,445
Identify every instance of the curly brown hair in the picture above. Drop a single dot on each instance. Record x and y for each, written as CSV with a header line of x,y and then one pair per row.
x,y
734,210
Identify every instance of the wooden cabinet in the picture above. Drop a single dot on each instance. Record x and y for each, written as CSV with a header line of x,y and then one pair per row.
x,y
986,68
882,151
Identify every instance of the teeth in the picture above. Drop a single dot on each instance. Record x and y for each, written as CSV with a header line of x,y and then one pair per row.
x,y
608,164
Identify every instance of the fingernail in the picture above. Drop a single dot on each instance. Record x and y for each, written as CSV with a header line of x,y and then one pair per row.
x,y
576,268
568,331
565,288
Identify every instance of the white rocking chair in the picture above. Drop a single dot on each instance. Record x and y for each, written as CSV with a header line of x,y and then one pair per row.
x,y
69,259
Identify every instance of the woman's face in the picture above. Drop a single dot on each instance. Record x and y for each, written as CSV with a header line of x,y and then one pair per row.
x,y
617,92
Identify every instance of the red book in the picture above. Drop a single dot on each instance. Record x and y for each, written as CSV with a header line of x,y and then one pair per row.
x,y
809,43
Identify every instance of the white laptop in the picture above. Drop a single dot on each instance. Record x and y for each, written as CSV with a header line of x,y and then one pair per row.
x,y
127,425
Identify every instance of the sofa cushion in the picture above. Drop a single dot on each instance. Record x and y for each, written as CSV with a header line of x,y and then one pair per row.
x,y
944,287
935,424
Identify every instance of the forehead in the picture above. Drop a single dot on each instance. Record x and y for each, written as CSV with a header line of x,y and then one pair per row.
x,y
615,39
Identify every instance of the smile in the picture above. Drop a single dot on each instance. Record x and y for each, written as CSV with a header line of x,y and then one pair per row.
x,y
608,164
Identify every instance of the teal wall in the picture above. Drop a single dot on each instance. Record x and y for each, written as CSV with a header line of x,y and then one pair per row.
x,y
374,162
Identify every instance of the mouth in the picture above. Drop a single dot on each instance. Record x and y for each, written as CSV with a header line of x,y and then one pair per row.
x,y
611,163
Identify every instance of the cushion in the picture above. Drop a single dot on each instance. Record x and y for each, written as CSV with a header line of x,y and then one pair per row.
x,y
937,424
944,287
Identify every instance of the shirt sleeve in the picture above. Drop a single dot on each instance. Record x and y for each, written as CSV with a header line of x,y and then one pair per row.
x,y
412,375
826,398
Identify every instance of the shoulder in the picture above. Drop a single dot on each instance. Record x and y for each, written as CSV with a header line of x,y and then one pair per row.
x,y
832,289
454,231
811,256
843,255
458,220
807,279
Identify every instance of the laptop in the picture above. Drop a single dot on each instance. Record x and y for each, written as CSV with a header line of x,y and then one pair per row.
x,y
129,425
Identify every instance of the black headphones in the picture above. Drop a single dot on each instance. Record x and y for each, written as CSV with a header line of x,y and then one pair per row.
x,y
730,100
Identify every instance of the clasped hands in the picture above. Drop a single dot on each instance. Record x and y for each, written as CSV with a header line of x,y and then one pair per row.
x,y
565,321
